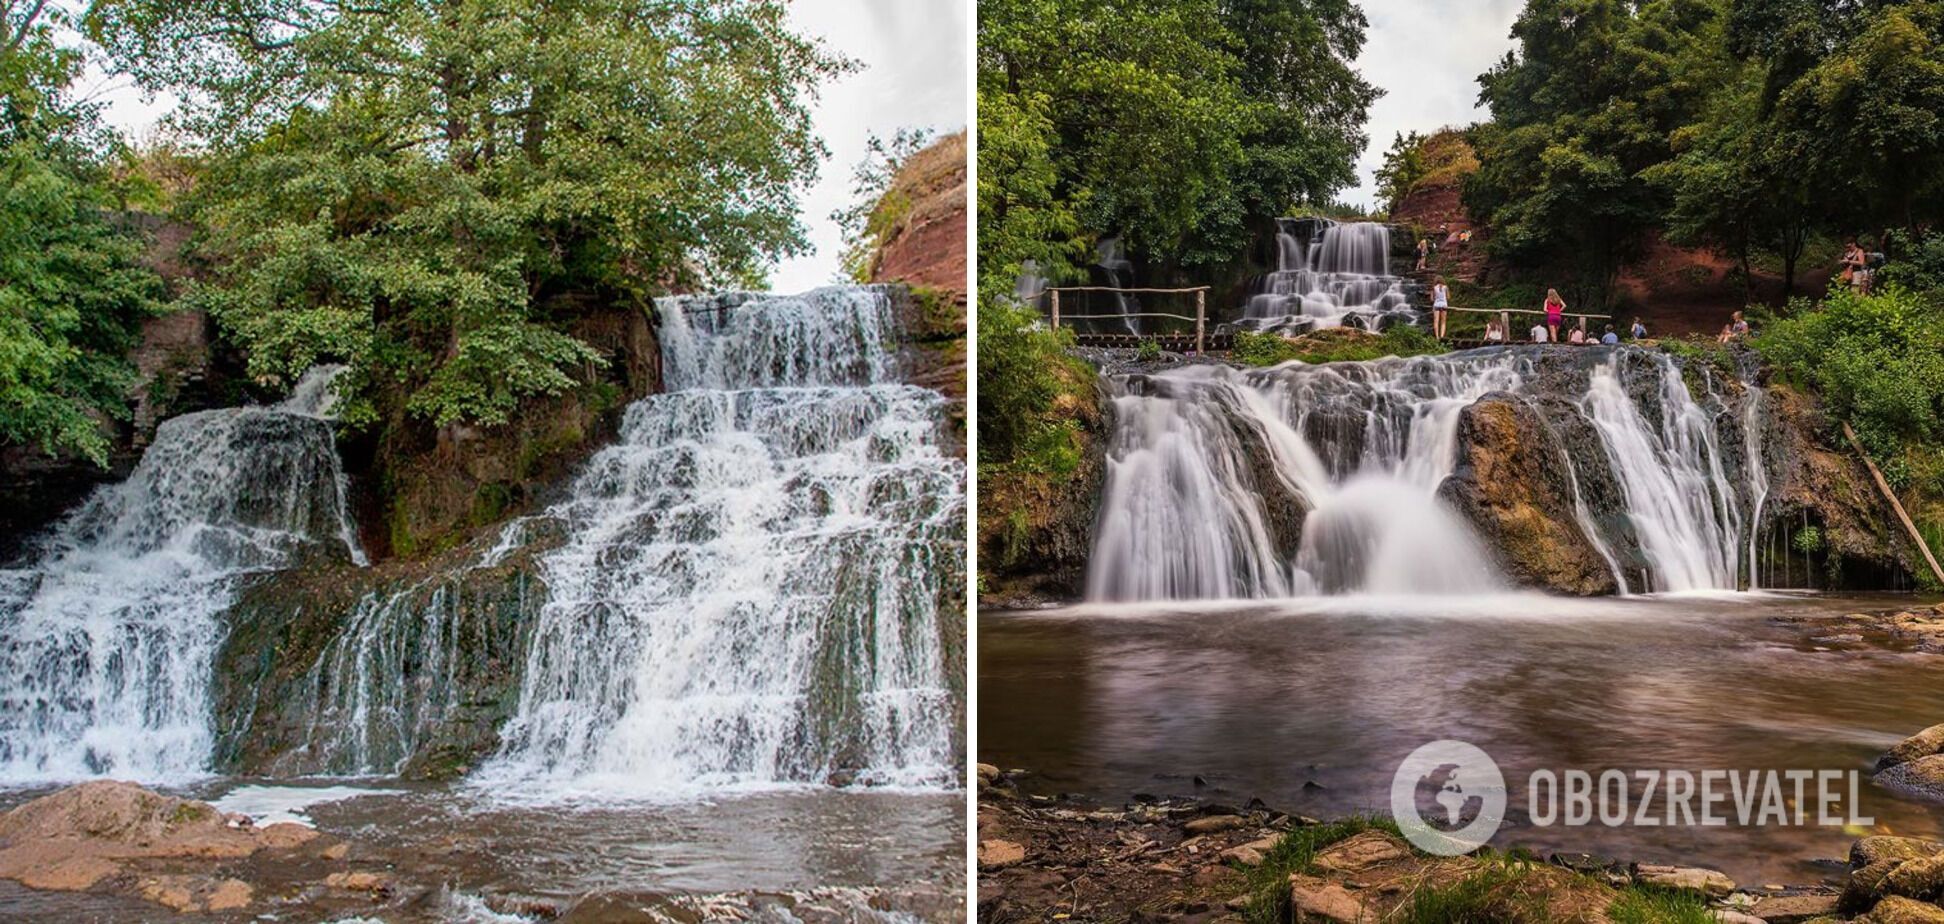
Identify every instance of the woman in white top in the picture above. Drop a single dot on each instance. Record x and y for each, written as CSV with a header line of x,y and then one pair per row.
x,y
1576,336
1494,331
1440,307
1538,333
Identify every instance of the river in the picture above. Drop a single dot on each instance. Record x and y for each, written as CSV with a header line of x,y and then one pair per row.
x,y
1311,704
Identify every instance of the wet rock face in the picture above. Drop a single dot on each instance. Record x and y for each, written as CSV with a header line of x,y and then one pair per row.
x,y
1511,484
1036,528
408,668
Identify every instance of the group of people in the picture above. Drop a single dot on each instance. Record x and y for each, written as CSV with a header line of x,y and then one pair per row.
x,y
1735,329
1547,331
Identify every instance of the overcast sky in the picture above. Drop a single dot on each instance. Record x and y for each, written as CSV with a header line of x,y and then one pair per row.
x,y
1426,55
914,75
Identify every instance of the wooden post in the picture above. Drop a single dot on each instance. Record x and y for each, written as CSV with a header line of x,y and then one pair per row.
x,y
1201,318
1056,307
1582,324
1896,505
1505,324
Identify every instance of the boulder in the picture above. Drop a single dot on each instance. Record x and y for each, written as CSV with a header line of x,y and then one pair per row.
x,y
1510,483
1920,879
1794,909
1890,847
1712,883
1214,824
1314,899
135,842
1923,777
1361,852
1897,910
1923,744
998,854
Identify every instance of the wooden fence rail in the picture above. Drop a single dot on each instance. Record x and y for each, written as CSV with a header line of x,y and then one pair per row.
x,y
1200,318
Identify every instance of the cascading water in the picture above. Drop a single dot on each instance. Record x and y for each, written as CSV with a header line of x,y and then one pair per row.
x,y
747,590
107,635
1302,480
1356,451
1683,508
1328,275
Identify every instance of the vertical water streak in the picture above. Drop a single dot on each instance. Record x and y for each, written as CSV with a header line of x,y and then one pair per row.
x,y
1291,481
1679,500
1758,484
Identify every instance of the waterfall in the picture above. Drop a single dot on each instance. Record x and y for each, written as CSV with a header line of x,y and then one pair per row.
x,y
1679,499
1328,275
1357,451
108,633
747,591
1301,480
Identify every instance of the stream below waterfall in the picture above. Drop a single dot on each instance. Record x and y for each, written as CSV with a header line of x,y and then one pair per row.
x,y
1311,705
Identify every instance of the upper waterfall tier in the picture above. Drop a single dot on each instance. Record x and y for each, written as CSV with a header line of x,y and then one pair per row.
x,y
1329,274
1333,479
747,591
106,637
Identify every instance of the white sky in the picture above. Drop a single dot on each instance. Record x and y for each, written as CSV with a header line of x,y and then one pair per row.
x,y
1426,55
914,75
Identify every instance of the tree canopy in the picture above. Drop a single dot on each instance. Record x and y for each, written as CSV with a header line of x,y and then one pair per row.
x,y
1177,126
1740,124
72,290
426,190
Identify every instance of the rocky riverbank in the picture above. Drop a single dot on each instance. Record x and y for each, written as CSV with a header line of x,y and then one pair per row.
x,y
1194,861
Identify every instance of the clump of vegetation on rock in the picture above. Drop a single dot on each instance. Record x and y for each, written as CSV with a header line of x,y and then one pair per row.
x,y
1333,346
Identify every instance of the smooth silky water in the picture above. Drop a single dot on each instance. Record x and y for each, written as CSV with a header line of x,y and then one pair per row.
x,y
1265,699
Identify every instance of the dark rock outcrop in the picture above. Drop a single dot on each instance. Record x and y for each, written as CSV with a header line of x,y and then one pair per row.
x,y
1035,527
410,667
1512,484
421,489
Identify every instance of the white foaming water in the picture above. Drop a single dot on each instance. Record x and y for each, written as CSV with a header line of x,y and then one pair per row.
x,y
1305,480
1355,451
107,635
1682,506
1340,276
747,593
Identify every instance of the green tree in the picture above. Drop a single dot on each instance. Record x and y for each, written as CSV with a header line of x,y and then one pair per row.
x,y
72,290
873,212
1179,127
430,191
1584,106
1403,167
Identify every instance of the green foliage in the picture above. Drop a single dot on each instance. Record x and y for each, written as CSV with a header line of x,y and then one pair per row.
x,y
1023,370
72,292
1754,127
874,209
1643,905
1403,167
1268,349
1268,883
1918,264
1877,360
1807,540
1586,103
433,192
1176,127
1148,351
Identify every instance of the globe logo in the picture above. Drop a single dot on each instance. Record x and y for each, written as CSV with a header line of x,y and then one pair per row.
x,y
1448,798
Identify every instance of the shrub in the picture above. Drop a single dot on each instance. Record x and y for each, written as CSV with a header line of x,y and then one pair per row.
x,y
1023,369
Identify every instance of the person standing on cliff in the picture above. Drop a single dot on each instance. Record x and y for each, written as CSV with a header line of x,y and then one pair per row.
x,y
1424,252
1440,308
1555,313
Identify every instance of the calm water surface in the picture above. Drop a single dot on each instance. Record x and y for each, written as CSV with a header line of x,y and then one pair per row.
x,y
1311,705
